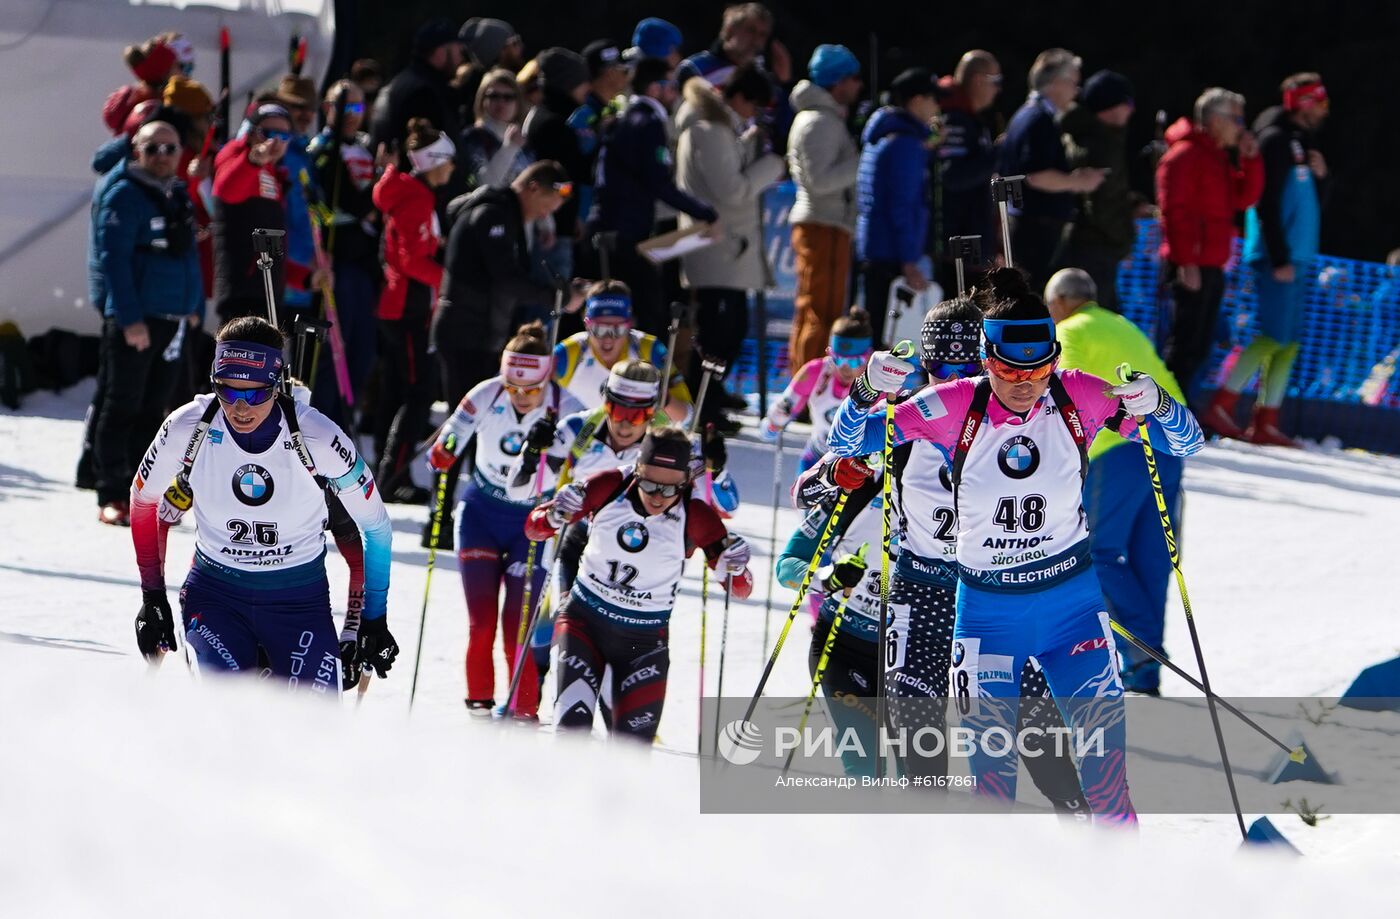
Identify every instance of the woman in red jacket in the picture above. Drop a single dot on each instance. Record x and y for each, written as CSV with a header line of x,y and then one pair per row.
x,y
412,275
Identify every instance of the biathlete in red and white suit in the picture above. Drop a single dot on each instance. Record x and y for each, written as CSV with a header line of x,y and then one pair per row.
x,y
1026,588
644,523
491,425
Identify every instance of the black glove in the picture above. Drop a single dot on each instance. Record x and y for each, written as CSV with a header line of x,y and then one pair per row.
x,y
716,454
541,433
847,571
349,663
155,626
377,647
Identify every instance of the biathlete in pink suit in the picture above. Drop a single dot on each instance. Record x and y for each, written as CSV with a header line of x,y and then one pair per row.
x,y
1017,438
819,385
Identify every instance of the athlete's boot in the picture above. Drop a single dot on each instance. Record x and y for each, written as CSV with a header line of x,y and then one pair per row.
x,y
480,708
1220,415
1263,429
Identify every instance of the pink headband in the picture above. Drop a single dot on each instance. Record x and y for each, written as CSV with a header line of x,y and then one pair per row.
x,y
520,369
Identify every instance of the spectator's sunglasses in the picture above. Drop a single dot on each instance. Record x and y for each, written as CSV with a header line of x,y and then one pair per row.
x,y
160,149
283,136
494,96
942,370
657,489
607,329
631,414
1009,374
565,189
849,362
518,390
353,108
231,394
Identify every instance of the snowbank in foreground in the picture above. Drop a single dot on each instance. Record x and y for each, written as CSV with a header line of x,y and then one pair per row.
x,y
127,796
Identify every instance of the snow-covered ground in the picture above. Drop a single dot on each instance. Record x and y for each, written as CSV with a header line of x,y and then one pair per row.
x,y
127,792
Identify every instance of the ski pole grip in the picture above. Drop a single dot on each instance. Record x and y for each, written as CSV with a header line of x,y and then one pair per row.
x,y
1124,372
903,350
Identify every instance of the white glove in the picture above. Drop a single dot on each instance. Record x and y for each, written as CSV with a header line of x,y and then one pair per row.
x,y
885,373
734,559
1141,395
567,503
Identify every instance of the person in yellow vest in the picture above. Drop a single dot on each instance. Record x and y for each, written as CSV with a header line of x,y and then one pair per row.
x,y
1129,551
582,361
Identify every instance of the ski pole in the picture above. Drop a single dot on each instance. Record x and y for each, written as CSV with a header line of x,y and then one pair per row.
x,y
1296,754
797,603
723,645
450,444
704,599
528,614
1004,188
1173,551
773,538
677,311
820,672
713,368
902,350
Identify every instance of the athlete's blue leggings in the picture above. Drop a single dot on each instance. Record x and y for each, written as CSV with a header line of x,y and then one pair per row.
x,y
287,614
1065,628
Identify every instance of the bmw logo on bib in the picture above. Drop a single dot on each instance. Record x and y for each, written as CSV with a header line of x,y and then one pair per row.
x,y
633,537
512,443
1019,457
945,478
252,485
959,652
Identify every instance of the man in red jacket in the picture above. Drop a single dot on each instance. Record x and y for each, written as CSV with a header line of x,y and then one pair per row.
x,y
1211,172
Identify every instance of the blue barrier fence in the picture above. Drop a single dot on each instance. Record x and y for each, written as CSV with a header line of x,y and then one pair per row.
x,y
1344,383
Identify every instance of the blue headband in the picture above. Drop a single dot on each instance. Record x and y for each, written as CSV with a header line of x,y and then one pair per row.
x,y
608,306
247,360
849,346
1020,342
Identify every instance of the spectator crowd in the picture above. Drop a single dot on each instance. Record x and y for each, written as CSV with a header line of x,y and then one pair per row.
x,y
487,183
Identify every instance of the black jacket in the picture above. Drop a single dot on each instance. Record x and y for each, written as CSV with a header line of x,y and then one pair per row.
x,y
1105,217
418,91
548,135
635,169
353,201
486,271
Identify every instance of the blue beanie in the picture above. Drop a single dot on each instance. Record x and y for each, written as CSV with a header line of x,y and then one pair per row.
x,y
830,64
656,38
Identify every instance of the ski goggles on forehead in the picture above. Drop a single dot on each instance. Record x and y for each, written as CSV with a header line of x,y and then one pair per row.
x,y
943,370
1004,371
1020,343
658,489
633,414
230,394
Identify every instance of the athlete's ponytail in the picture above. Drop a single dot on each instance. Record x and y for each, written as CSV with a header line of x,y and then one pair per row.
x,y
529,339
1005,294
854,324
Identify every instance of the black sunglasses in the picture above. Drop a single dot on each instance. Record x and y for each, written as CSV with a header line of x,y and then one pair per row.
x,y
656,488
160,149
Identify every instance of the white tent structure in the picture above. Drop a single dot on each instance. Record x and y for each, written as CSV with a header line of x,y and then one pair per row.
x,y
60,59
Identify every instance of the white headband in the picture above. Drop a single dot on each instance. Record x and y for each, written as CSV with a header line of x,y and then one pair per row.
x,y
435,154
632,390
521,369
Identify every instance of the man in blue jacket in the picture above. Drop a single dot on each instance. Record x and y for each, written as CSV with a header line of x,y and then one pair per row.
x,y
892,192
144,237
635,170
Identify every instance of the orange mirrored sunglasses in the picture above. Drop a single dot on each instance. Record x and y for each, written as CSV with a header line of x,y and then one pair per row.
x,y
1018,374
